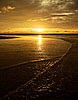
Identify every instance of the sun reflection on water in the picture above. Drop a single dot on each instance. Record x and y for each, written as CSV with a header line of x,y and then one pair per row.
x,y
39,42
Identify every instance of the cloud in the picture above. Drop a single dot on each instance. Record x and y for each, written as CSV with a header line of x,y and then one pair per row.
x,y
73,5
0,12
4,9
43,11
53,18
7,9
62,14
32,20
58,15
10,8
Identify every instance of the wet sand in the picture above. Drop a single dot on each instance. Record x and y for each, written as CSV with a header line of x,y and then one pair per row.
x,y
60,82
6,37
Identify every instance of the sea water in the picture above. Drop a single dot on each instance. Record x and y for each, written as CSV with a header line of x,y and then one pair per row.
x,y
21,59
30,48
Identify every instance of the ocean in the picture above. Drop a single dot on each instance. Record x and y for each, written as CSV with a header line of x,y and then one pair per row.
x,y
24,57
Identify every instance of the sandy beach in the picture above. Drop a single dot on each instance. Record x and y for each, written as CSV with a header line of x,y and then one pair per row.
x,y
60,82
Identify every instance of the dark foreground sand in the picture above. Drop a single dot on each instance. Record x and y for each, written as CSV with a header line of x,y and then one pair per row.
x,y
60,82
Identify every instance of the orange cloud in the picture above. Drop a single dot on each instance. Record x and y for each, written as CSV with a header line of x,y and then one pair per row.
x,y
7,9
4,9
10,8
0,12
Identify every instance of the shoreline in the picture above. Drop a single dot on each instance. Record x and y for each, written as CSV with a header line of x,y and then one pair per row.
x,y
62,60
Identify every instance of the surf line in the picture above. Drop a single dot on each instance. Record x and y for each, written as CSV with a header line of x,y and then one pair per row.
x,y
49,65
22,63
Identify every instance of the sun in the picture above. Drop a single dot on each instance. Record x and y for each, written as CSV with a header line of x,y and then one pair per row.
x,y
39,29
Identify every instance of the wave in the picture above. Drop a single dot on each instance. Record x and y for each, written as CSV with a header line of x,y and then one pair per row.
x,y
26,62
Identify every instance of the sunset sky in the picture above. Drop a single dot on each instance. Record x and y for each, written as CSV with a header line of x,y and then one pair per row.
x,y
25,15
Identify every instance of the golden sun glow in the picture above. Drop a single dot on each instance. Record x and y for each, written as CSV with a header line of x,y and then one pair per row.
x,y
39,29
